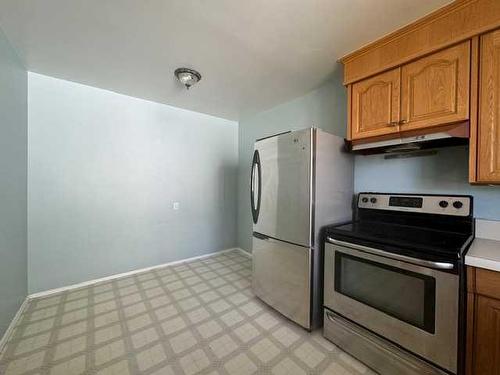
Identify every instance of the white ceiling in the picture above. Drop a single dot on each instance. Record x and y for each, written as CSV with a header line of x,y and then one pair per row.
x,y
253,54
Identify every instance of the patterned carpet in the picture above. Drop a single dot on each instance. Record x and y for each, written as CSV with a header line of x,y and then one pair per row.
x,y
197,317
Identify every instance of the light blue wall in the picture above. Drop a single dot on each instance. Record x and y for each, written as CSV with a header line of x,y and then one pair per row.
x,y
104,170
444,173
324,108
13,166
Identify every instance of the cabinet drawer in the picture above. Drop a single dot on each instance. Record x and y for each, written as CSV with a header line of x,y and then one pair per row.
x,y
488,283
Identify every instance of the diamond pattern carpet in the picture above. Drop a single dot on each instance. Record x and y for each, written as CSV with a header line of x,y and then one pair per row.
x,y
198,317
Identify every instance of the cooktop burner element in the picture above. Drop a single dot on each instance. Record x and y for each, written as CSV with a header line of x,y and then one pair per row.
x,y
431,227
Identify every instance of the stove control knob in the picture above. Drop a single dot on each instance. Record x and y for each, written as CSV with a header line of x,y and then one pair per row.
x,y
443,204
373,200
364,200
458,205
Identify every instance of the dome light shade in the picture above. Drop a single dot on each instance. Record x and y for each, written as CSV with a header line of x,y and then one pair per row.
x,y
188,77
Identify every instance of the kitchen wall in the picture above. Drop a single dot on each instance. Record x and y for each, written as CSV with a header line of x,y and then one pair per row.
x,y
13,171
324,108
104,172
444,173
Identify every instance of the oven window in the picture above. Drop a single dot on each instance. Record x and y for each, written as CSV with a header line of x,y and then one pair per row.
x,y
405,295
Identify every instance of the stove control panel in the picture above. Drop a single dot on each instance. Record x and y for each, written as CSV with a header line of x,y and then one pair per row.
x,y
431,204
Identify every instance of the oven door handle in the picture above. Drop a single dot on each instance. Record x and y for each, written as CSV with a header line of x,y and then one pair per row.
x,y
386,254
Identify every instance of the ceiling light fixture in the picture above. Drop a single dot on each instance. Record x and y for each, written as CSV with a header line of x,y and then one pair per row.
x,y
188,77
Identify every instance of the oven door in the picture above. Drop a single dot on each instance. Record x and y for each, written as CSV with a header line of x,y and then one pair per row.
x,y
415,307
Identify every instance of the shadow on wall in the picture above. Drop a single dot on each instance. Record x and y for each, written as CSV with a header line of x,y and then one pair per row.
x,y
446,172
227,195
13,183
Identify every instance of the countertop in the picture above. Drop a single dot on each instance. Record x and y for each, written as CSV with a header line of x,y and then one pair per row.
x,y
485,249
484,253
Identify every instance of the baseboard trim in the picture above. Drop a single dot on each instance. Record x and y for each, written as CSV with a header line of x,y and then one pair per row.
x,y
8,332
49,292
244,252
6,336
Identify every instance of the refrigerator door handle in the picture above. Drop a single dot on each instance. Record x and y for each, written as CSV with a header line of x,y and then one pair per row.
x,y
255,186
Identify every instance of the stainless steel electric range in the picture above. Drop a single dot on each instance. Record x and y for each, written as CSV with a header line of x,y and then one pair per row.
x,y
394,292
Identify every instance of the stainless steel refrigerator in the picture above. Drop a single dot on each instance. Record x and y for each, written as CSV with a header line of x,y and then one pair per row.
x,y
300,181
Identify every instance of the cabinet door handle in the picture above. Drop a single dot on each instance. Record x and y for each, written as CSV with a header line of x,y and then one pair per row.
x,y
402,122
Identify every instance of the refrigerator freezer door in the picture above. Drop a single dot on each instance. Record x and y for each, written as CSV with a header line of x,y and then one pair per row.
x,y
285,163
282,277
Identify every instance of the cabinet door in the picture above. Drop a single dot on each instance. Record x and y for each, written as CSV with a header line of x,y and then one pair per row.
x,y
375,105
487,340
435,89
488,152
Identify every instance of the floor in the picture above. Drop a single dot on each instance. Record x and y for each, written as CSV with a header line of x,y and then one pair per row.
x,y
193,317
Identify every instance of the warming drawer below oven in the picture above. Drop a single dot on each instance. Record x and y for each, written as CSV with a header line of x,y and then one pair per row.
x,y
373,351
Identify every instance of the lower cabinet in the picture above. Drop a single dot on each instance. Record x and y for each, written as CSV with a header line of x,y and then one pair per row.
x,y
487,341
483,336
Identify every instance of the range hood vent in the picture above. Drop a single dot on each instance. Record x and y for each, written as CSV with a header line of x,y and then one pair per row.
x,y
451,135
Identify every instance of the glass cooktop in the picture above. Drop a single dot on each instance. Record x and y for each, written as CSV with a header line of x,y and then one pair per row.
x,y
418,239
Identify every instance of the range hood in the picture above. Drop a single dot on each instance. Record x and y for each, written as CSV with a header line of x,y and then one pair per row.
x,y
450,135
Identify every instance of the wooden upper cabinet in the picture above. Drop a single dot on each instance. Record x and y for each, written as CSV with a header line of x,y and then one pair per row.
x,y
488,143
430,91
447,26
375,104
441,69
435,89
